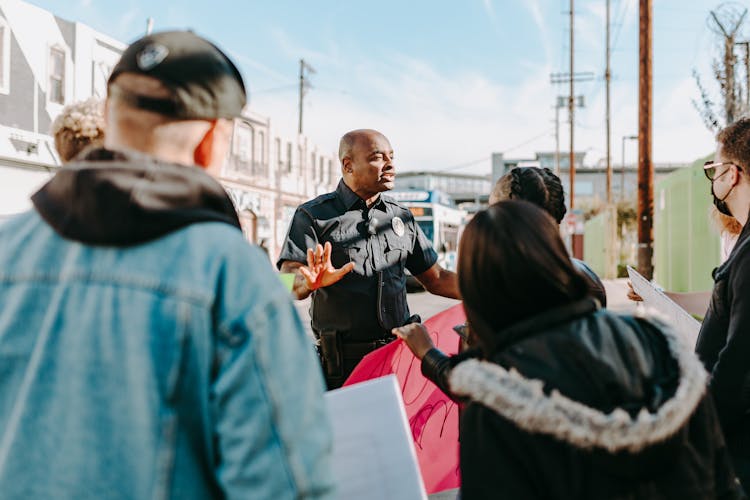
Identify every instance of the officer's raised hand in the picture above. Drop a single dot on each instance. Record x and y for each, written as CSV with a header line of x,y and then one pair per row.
x,y
319,271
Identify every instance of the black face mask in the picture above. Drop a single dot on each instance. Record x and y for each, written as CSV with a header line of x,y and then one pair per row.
x,y
719,203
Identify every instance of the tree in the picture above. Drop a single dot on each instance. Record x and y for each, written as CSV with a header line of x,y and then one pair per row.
x,y
726,22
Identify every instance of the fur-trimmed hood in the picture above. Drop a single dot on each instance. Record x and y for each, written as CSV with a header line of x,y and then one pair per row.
x,y
536,406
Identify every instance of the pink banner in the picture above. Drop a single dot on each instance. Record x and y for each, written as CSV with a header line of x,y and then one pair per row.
x,y
433,417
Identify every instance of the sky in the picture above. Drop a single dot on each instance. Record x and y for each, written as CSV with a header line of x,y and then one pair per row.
x,y
448,82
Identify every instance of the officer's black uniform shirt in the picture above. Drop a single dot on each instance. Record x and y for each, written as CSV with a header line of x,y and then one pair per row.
x,y
370,300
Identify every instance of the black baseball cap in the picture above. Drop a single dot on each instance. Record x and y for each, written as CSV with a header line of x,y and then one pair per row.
x,y
205,83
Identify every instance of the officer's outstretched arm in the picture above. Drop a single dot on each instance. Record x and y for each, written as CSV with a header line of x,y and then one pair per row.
x,y
318,273
440,281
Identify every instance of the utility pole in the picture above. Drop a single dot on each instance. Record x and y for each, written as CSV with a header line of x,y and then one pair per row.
x,y
607,79
645,165
303,86
570,78
571,113
622,169
559,103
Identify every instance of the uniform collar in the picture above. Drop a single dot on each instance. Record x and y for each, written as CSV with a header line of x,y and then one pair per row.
x,y
350,199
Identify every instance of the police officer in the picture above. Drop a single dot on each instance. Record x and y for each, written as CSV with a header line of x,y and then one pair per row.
x,y
349,249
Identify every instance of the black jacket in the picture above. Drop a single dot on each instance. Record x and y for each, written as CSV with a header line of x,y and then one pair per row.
x,y
583,403
724,347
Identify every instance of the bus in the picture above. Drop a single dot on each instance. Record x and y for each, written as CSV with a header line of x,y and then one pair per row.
x,y
440,221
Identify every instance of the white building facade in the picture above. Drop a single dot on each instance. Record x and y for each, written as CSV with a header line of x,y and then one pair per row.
x,y
47,62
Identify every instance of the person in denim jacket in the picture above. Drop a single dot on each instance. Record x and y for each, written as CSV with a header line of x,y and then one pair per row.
x,y
146,350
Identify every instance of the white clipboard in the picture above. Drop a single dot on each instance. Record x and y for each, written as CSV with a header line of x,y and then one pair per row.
x,y
686,325
373,451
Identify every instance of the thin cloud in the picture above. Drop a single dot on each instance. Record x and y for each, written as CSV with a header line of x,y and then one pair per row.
x,y
535,10
248,62
295,50
434,118
125,24
489,8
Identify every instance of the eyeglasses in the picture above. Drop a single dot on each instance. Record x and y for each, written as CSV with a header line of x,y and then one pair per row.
x,y
709,168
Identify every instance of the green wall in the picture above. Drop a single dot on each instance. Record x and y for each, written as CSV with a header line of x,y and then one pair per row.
x,y
686,245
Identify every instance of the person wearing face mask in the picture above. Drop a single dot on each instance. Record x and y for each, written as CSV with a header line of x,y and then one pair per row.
x,y
723,343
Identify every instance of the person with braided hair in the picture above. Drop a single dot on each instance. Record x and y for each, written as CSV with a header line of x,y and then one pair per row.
x,y
543,188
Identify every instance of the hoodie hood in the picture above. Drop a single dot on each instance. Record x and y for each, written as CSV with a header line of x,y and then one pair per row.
x,y
525,403
126,198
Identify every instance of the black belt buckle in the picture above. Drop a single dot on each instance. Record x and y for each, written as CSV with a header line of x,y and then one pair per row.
x,y
330,349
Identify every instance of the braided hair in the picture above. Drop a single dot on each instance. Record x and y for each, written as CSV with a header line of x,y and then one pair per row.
x,y
539,186
555,195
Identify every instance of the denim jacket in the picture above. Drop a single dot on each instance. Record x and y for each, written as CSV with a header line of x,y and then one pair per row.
x,y
175,368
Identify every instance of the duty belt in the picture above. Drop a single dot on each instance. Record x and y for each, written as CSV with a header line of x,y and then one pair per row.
x,y
356,350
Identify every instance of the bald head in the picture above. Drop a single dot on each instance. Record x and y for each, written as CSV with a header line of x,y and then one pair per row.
x,y
350,140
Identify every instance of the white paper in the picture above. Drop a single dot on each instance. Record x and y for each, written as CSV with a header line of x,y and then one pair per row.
x,y
686,325
373,451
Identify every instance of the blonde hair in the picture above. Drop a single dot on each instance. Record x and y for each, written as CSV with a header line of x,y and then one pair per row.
x,y
77,127
725,223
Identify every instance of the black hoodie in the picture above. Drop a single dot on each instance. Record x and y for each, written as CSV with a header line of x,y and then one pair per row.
x,y
580,403
121,199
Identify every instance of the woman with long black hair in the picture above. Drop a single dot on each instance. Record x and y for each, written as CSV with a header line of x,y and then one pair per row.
x,y
543,188
569,400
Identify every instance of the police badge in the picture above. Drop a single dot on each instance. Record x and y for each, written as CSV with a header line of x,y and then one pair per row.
x,y
398,226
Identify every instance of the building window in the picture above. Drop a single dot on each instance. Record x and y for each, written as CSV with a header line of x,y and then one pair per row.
x,y
56,75
262,145
102,70
260,167
243,143
279,159
4,57
289,157
321,167
312,165
331,173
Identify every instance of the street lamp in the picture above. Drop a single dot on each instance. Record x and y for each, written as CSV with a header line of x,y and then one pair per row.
x,y
622,167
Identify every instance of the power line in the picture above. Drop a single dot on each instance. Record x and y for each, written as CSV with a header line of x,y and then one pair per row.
x,y
620,21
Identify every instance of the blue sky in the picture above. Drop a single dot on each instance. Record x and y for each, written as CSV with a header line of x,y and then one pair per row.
x,y
448,82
